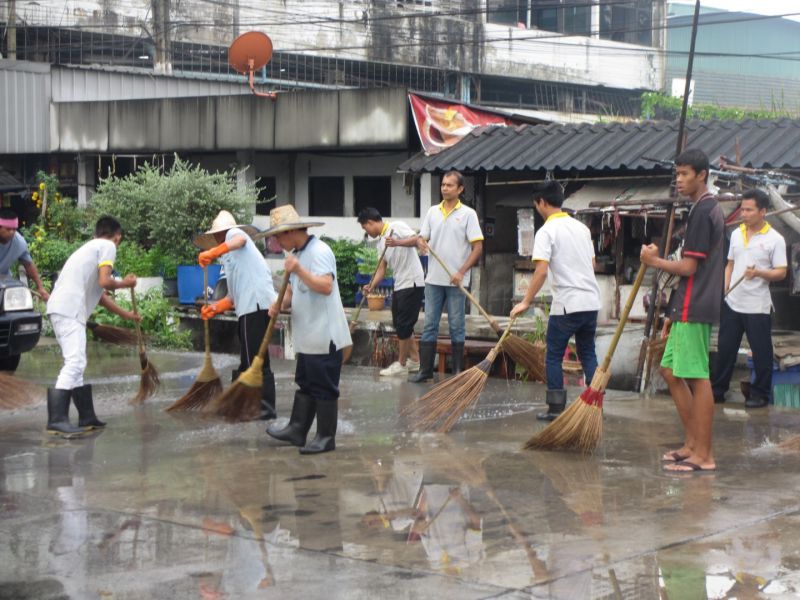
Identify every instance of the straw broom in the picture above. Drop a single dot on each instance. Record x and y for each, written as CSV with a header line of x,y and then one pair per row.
x,y
15,392
581,424
208,384
149,381
348,351
444,404
242,401
521,351
106,333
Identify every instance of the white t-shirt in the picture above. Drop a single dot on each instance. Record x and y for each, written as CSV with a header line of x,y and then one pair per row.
x,y
566,244
766,250
404,261
77,290
450,235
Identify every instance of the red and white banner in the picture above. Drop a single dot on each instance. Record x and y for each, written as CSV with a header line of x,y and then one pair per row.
x,y
441,124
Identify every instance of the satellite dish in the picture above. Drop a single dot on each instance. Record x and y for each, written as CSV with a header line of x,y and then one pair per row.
x,y
248,52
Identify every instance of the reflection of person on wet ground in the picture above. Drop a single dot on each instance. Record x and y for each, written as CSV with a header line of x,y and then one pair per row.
x,y
247,567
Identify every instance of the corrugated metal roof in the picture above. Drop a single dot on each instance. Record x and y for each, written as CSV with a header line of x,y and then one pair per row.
x,y
613,146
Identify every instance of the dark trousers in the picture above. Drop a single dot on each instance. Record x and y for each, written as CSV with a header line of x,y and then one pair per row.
x,y
559,329
252,328
318,374
758,328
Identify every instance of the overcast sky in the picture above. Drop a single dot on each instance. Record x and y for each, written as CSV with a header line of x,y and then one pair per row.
x,y
764,7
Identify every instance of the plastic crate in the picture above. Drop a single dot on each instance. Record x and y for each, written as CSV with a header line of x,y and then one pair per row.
x,y
786,394
785,384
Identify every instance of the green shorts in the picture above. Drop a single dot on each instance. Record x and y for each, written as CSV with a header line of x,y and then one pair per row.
x,y
686,352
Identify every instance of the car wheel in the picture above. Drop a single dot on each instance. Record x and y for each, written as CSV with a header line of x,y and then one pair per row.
x,y
10,363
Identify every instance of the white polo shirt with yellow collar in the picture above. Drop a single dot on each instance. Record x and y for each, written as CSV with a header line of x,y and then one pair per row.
x,y
566,245
766,250
450,235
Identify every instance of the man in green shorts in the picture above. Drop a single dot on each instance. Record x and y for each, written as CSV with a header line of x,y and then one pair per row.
x,y
694,308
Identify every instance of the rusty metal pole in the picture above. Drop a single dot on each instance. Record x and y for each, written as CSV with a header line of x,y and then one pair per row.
x,y
667,237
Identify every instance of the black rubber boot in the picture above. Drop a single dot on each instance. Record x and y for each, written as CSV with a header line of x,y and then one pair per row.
x,y
458,357
58,414
556,402
427,350
756,402
268,411
82,398
235,375
299,423
327,417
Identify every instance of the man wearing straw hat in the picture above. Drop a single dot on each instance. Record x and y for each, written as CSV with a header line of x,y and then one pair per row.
x,y
453,232
319,331
250,293
80,287
13,248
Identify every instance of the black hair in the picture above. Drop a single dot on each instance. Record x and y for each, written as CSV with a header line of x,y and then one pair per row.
x,y
369,214
760,196
551,192
694,158
8,213
459,177
107,227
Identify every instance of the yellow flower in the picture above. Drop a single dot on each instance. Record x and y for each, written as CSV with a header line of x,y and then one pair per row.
x,y
42,186
35,196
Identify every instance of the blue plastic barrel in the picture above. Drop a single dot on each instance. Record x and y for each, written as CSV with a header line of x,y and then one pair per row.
x,y
190,282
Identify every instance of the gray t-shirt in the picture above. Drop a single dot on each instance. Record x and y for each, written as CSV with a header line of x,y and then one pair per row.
x,y
13,251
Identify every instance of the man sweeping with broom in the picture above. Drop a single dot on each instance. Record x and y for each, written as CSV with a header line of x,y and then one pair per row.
x,y
399,242
250,293
563,249
319,331
694,308
81,285
14,248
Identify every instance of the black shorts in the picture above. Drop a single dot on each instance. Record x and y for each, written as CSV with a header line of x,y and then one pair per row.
x,y
406,304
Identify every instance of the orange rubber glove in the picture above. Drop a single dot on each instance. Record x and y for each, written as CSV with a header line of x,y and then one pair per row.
x,y
212,310
209,256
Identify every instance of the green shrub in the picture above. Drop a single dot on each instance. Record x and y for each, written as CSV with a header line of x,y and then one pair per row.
x,y
159,321
167,210
367,261
346,267
49,253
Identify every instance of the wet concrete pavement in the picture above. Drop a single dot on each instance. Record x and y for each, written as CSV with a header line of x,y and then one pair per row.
x,y
159,506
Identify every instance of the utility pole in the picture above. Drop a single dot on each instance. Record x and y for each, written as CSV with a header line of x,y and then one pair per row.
x,y
161,62
12,30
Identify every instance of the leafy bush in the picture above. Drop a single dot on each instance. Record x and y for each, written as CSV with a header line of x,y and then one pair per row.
x,y
345,252
656,105
49,252
159,321
367,261
167,210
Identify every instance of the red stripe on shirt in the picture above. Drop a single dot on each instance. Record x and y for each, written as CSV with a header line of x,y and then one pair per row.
x,y
697,254
687,299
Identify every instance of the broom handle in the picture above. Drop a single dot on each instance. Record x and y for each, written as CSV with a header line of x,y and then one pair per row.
x,y
733,287
136,322
375,272
206,328
494,325
264,348
624,317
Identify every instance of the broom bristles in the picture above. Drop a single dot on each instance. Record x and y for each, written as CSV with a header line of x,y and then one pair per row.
x,y
241,401
792,444
442,407
113,335
530,356
200,394
148,382
580,426
15,392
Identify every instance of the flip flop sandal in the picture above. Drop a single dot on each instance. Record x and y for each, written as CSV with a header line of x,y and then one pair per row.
x,y
674,457
695,468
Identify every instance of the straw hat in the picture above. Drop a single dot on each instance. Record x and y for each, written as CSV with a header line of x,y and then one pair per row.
x,y
222,222
285,218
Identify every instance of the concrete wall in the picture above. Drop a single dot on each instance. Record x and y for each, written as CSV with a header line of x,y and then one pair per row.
x,y
359,30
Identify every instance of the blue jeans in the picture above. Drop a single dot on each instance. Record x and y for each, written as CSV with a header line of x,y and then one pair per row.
x,y
559,329
435,298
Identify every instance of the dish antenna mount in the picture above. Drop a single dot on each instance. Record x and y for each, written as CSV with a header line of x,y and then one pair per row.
x,y
249,52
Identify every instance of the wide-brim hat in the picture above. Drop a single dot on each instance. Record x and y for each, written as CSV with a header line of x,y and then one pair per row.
x,y
223,222
285,218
